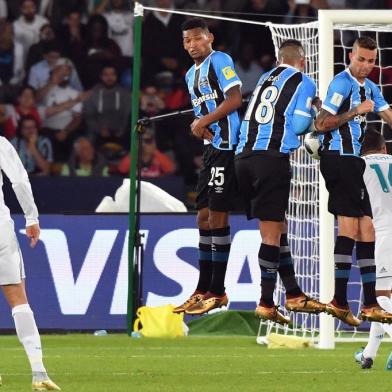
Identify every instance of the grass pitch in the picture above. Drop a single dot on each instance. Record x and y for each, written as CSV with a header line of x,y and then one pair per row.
x,y
118,363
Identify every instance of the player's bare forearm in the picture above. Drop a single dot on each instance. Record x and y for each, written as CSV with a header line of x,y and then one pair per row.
x,y
326,121
386,115
229,105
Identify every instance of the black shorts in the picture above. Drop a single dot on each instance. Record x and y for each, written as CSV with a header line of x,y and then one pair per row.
x,y
217,185
343,175
264,183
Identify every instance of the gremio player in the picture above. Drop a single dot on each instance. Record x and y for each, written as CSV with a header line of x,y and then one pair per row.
x,y
378,181
280,109
342,121
11,263
215,92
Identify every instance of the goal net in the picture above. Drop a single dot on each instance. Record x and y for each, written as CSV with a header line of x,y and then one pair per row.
x,y
303,212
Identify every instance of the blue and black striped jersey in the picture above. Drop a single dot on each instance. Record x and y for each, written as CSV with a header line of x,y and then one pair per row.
x,y
345,93
208,83
280,95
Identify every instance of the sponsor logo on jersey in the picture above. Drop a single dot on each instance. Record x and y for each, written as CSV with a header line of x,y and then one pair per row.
x,y
359,119
271,79
206,97
203,82
337,99
228,73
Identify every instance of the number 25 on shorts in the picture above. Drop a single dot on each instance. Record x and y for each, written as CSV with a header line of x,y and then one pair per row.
x,y
217,176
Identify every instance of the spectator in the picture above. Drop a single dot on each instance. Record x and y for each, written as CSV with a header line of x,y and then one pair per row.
x,y
36,51
47,73
26,106
72,36
34,151
267,10
3,9
161,48
154,163
107,111
57,10
28,25
120,21
11,62
248,70
61,127
100,49
85,161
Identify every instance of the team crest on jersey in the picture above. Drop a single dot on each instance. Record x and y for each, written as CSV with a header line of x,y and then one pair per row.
x,y
228,73
203,82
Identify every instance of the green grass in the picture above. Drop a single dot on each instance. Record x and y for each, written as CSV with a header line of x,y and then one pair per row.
x,y
118,363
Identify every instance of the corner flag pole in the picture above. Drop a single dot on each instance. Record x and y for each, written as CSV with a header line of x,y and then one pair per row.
x,y
132,237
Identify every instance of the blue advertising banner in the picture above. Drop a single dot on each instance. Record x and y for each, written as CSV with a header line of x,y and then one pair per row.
x,y
77,274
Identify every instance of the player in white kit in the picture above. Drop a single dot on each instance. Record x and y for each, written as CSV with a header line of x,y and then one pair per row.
x,y
12,273
378,180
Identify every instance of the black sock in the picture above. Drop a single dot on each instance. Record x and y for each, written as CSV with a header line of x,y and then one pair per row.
x,y
221,243
367,267
343,260
286,269
269,263
205,261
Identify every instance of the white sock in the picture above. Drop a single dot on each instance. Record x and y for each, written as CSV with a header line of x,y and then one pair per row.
x,y
376,334
28,335
386,304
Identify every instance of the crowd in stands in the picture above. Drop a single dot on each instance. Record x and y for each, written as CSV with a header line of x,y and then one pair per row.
x,y
65,78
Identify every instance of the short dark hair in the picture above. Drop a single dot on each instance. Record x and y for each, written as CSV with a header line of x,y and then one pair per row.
x,y
290,42
195,23
366,42
22,120
373,141
51,46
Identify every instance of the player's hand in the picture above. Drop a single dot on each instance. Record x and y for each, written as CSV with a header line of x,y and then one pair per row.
x,y
317,103
33,232
198,128
365,107
207,134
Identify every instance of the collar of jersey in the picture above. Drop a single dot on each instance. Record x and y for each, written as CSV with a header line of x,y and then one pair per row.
x,y
287,66
201,64
352,77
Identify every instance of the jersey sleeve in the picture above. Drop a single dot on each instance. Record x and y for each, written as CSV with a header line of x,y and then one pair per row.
x,y
380,104
224,68
338,90
303,114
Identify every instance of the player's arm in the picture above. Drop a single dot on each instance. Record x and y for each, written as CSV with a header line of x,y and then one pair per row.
x,y
230,84
303,112
386,115
13,168
232,102
338,91
381,106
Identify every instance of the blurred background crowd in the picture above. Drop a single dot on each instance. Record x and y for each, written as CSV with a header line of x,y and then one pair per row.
x,y
66,76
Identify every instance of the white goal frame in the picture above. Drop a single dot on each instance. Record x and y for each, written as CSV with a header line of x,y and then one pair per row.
x,y
327,18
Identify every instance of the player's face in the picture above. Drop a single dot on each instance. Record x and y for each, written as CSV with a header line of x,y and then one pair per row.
x,y
362,62
198,43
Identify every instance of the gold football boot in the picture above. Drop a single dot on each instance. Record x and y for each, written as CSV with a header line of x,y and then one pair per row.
x,y
192,300
207,303
343,314
271,314
304,304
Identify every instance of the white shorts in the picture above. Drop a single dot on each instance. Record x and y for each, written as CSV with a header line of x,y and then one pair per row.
x,y
11,261
383,259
